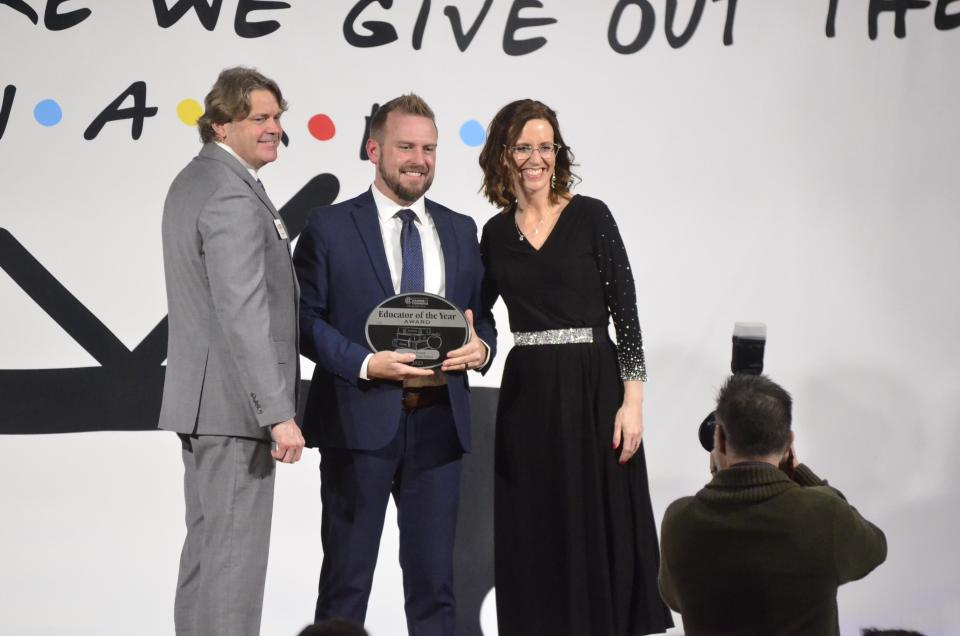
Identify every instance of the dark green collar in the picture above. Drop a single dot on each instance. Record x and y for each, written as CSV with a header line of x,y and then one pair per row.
x,y
750,482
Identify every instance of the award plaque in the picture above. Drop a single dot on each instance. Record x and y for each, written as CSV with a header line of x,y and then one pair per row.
x,y
427,325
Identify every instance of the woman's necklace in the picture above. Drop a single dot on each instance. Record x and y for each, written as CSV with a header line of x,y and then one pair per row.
x,y
536,228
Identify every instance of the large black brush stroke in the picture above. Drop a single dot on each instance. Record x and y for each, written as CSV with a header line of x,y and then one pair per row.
x,y
122,393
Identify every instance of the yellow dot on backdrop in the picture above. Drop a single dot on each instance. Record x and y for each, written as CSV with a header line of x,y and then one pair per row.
x,y
189,111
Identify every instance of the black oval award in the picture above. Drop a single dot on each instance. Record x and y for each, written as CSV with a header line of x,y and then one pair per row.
x,y
427,325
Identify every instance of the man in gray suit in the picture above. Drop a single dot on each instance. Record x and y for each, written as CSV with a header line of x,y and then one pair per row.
x,y
232,364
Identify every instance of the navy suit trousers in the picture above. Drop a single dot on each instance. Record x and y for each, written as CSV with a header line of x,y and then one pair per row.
x,y
421,468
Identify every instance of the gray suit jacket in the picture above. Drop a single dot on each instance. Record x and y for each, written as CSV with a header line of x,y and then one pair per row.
x,y
232,358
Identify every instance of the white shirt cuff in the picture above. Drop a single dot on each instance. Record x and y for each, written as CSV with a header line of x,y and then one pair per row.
x,y
363,367
486,358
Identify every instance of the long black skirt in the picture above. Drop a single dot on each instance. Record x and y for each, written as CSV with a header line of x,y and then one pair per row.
x,y
576,543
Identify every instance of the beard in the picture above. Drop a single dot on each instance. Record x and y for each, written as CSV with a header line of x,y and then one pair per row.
x,y
403,192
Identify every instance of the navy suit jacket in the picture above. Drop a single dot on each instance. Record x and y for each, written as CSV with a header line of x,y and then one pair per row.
x,y
342,268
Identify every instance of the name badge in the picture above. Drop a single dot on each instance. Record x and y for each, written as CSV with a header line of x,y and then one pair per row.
x,y
281,229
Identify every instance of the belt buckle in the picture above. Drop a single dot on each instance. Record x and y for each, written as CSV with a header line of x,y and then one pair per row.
x,y
410,399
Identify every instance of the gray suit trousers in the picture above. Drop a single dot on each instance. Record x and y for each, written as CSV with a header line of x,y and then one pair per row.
x,y
228,489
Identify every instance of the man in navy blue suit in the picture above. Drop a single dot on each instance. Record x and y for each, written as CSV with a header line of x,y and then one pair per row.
x,y
383,426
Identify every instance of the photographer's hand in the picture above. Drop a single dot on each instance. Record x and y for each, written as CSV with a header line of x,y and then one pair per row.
x,y
628,424
789,462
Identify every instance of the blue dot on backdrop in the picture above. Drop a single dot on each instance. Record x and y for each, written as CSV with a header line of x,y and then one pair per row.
x,y
48,113
472,133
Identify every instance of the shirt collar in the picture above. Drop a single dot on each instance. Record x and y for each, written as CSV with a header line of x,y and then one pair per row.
x,y
250,169
387,208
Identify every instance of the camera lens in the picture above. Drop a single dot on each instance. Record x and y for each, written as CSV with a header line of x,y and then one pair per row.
x,y
706,431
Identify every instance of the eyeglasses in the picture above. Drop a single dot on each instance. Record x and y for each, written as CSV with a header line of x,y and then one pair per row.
x,y
525,151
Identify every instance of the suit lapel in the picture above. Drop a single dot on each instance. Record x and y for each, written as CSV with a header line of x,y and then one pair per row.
x,y
262,195
368,224
215,152
448,243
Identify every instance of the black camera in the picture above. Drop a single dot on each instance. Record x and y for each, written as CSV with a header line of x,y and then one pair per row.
x,y
749,339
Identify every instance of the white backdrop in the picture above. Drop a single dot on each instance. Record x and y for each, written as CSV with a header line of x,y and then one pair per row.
x,y
805,181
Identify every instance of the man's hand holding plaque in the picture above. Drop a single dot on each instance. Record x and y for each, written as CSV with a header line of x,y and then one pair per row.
x,y
390,365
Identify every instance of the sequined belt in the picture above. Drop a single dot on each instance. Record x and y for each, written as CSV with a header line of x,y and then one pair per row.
x,y
572,335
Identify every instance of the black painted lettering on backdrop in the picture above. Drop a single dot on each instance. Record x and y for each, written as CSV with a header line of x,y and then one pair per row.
x,y
420,25
674,40
513,46
728,22
137,113
380,32
366,131
5,106
24,8
648,20
56,21
832,19
465,38
945,21
899,8
208,14
247,29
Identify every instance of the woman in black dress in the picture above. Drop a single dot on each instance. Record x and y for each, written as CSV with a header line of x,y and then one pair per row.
x,y
576,545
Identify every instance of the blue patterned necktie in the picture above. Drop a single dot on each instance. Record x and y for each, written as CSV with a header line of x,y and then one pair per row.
x,y
411,276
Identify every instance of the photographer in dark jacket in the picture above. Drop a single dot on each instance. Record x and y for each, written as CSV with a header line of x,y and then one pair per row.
x,y
763,547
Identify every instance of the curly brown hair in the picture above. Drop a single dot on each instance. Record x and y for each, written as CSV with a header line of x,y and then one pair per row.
x,y
499,170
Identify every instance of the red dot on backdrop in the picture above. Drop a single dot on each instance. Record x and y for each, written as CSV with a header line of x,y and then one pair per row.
x,y
321,127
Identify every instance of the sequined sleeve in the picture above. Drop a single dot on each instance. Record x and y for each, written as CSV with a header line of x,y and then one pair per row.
x,y
621,295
